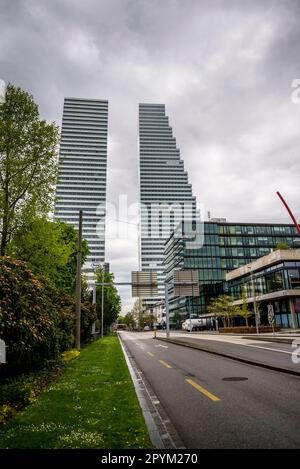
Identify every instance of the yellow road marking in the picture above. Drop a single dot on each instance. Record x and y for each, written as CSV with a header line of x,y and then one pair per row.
x,y
165,364
151,354
203,390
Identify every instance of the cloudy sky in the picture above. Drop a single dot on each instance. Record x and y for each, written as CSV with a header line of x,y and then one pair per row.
x,y
224,69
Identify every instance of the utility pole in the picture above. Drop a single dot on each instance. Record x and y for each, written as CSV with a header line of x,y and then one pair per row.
x,y
78,282
102,301
139,268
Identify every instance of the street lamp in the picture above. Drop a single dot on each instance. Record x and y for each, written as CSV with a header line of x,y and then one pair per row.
x,y
104,268
138,226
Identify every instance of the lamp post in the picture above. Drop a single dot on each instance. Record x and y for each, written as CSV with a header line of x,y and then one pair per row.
x,y
104,268
138,226
78,281
190,314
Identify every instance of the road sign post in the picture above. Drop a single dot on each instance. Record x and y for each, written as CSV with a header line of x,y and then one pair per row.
x,y
186,283
271,316
167,310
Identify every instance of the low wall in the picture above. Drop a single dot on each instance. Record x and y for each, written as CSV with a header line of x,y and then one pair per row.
x,y
248,330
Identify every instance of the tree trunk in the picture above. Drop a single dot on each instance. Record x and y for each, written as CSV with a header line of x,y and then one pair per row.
x,y
5,220
4,240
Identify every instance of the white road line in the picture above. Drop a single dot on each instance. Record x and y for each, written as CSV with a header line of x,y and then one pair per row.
x,y
164,346
267,348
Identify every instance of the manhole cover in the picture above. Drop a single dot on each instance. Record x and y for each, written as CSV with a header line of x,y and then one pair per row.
x,y
235,378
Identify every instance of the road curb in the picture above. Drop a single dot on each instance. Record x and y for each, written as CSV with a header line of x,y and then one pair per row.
x,y
160,436
232,357
279,340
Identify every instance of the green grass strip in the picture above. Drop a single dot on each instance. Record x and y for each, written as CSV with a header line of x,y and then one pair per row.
x,y
93,405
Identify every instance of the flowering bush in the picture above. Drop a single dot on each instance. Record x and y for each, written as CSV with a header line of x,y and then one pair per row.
x,y
37,320
70,355
28,318
6,412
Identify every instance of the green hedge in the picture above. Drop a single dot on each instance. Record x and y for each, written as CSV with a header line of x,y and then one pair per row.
x,y
36,320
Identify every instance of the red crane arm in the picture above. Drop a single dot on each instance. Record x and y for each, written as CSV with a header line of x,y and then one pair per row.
x,y
290,212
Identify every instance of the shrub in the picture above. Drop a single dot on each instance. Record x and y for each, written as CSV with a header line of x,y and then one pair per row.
x,y
88,317
65,326
37,320
27,317
17,393
70,355
6,412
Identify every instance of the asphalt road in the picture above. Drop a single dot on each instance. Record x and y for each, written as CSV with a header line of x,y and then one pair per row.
x,y
215,402
271,353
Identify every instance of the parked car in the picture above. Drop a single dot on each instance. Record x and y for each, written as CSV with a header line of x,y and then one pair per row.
x,y
147,328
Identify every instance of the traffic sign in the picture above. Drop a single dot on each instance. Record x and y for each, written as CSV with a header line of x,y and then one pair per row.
x,y
144,284
186,282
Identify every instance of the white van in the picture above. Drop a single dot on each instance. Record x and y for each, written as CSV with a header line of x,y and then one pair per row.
x,y
192,324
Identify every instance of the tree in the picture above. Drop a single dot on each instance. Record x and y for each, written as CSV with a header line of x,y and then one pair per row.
x,y
112,300
177,319
244,311
86,293
129,321
282,245
50,249
223,307
139,313
28,163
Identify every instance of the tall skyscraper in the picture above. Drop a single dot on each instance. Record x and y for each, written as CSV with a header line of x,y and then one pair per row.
x,y
82,173
165,194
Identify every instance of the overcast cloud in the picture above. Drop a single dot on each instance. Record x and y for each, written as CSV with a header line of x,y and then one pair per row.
x,y
223,68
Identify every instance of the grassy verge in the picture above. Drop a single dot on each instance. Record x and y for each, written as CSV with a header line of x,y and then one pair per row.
x,y
18,391
93,405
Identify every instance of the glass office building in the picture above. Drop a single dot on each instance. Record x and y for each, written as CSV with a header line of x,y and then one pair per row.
x,y
275,281
82,173
227,246
165,194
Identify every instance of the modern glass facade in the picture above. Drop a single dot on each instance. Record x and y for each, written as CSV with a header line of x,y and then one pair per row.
x,y
275,281
165,194
227,246
82,173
